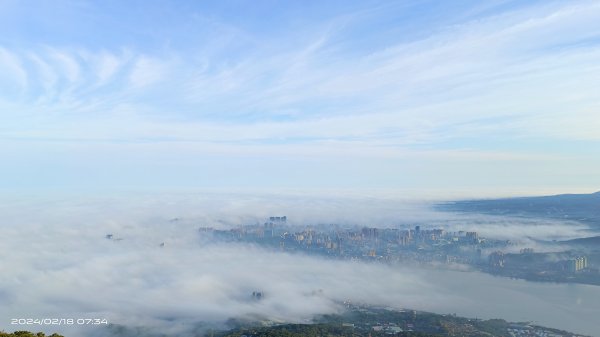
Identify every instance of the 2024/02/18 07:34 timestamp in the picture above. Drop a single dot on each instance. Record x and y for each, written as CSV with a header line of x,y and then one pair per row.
x,y
58,321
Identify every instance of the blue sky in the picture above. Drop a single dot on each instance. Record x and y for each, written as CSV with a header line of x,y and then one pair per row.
x,y
409,95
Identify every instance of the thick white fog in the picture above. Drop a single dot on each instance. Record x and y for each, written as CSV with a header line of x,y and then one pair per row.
x,y
57,263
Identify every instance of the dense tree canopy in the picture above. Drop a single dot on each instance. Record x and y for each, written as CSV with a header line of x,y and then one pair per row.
x,y
27,334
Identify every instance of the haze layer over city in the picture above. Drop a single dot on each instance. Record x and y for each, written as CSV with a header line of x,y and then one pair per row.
x,y
366,168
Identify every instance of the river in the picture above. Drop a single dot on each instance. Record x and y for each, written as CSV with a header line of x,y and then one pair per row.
x,y
571,307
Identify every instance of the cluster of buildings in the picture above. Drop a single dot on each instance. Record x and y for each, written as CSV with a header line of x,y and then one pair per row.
x,y
496,259
577,264
562,266
527,330
418,245
540,262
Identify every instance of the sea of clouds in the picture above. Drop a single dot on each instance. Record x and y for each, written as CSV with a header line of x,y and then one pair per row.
x,y
56,262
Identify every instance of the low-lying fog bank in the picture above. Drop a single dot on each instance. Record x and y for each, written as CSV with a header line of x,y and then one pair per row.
x,y
57,263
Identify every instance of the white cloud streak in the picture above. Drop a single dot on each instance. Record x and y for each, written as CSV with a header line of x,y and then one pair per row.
x,y
485,89
418,89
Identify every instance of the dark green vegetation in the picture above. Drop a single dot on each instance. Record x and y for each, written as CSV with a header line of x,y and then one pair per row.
x,y
578,207
27,334
294,330
313,330
356,321
365,321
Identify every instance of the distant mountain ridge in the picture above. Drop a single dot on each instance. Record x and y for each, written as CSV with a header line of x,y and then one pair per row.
x,y
593,241
579,207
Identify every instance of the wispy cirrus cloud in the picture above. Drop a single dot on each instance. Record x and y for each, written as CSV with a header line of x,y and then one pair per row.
x,y
496,83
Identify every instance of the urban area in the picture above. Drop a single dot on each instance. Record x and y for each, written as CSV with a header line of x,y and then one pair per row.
x,y
417,246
